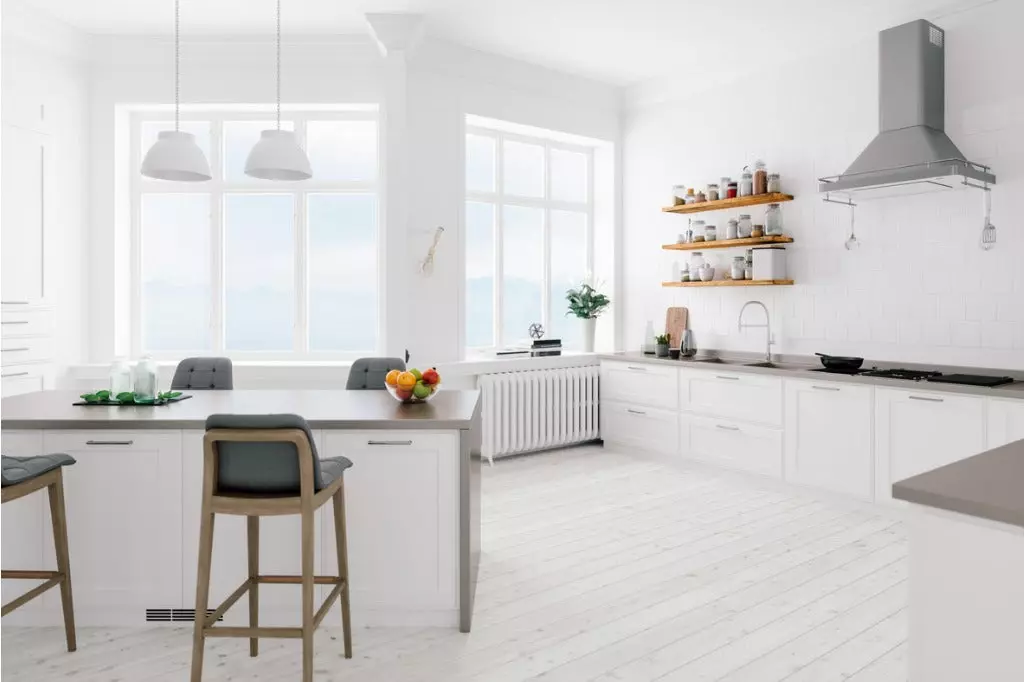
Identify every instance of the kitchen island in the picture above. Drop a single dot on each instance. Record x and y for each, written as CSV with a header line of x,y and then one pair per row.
x,y
133,504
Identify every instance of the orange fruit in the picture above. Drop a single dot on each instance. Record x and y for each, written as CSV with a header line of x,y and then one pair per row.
x,y
392,377
406,380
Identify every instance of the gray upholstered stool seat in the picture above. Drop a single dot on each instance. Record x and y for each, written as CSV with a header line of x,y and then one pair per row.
x,y
20,469
369,373
203,374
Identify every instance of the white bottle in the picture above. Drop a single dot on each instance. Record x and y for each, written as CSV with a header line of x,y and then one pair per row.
x,y
648,345
120,377
145,378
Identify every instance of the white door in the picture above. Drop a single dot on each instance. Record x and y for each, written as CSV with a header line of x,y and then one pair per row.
x,y
26,522
1005,421
22,218
280,549
917,431
402,506
828,436
123,499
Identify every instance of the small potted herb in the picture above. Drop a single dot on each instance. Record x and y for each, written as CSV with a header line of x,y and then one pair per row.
x,y
661,345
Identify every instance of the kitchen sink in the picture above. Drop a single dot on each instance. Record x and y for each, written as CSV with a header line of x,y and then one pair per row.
x,y
770,365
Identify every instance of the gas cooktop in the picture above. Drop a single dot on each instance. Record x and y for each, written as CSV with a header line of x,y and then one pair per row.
x,y
923,375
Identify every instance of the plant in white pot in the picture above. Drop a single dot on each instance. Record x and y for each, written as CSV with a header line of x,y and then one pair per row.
x,y
586,303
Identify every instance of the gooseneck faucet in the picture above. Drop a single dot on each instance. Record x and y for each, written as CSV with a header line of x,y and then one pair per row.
x,y
767,326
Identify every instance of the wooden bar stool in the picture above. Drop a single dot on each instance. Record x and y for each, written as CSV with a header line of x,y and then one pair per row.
x,y
267,465
25,475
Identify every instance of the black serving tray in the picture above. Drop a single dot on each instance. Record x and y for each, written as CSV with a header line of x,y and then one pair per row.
x,y
114,403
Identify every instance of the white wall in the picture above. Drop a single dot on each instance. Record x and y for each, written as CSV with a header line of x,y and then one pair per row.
x,y
919,289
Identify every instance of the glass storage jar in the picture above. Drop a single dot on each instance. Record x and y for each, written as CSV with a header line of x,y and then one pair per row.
x,y
710,233
120,377
678,195
732,190
732,229
712,192
744,226
774,183
723,187
696,263
746,184
739,266
773,220
760,177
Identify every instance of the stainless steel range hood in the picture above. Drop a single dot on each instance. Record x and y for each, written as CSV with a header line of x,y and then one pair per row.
x,y
912,153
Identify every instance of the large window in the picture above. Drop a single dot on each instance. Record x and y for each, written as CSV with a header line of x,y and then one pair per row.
x,y
256,269
529,234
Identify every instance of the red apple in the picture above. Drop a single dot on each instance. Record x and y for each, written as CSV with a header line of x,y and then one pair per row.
x,y
403,393
431,377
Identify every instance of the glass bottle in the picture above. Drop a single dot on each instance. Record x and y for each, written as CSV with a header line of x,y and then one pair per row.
x,y
648,344
773,220
144,378
120,377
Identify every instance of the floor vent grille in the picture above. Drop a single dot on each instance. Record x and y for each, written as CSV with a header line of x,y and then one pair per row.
x,y
174,615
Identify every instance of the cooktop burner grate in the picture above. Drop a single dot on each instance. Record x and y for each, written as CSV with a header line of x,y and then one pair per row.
x,y
908,374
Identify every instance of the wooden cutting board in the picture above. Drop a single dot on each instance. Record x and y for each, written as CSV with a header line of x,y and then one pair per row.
x,y
675,324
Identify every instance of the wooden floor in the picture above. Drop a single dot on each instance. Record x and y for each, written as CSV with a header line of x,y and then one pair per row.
x,y
597,566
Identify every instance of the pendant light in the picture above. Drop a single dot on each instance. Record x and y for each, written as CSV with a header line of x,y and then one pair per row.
x,y
175,154
278,156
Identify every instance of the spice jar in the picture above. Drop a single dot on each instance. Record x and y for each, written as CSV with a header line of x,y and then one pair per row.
x,y
760,177
696,228
678,195
732,189
746,183
744,226
710,233
773,220
757,232
701,198
712,192
774,183
732,229
696,262
690,196
739,266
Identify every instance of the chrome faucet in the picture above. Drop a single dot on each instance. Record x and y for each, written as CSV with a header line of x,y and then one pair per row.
x,y
767,326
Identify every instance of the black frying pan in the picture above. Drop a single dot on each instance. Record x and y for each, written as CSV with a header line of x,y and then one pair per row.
x,y
839,362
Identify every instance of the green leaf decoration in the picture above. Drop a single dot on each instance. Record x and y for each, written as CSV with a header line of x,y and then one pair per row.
x,y
90,397
169,395
103,395
125,398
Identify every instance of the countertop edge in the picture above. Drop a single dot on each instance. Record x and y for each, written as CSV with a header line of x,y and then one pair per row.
x,y
178,425
958,505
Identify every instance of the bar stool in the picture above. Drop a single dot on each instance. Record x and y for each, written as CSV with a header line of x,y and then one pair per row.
x,y
22,476
267,465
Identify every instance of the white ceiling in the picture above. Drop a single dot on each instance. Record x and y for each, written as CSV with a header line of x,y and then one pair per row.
x,y
616,41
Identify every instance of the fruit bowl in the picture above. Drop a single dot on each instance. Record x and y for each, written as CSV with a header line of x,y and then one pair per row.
x,y
413,386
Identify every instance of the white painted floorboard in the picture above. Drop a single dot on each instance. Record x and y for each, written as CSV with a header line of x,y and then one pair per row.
x,y
596,566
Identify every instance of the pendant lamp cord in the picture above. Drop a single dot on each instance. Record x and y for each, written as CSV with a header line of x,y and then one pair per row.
x,y
278,64
177,67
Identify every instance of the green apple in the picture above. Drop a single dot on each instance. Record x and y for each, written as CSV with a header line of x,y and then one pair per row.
x,y
421,390
416,373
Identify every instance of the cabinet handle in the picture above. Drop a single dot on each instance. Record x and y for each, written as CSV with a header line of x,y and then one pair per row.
x,y
389,442
13,350
14,302
728,378
636,369
109,442
926,399
14,374
632,411
826,388
14,322
727,428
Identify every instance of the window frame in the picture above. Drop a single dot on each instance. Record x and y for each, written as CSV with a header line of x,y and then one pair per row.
x,y
546,203
217,188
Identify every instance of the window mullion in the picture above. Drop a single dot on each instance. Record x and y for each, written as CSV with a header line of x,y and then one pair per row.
x,y
545,289
301,235
217,240
499,232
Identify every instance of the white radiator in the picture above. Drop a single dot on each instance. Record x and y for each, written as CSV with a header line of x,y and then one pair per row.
x,y
538,409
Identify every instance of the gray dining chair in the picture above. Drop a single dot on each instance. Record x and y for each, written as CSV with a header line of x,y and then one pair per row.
x,y
267,465
369,373
201,374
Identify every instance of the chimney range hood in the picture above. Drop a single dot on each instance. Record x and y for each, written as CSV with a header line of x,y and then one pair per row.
x,y
912,153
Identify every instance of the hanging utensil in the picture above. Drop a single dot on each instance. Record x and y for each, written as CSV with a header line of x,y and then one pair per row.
x,y
851,242
988,230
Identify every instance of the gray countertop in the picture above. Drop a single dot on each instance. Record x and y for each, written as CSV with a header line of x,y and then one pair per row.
x,y
801,366
988,486
334,409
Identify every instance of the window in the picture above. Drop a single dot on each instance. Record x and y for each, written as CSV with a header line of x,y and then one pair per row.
x,y
256,269
528,236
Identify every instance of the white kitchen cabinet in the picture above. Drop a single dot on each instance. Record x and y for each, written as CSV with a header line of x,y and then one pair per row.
x,y
735,395
23,379
828,436
26,523
402,506
123,499
919,430
1005,421
23,174
641,427
734,444
640,383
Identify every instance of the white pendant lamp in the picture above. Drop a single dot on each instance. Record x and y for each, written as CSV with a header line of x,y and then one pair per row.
x,y
175,154
278,156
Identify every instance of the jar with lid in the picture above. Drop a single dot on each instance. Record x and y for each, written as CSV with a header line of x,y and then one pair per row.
x,y
739,266
760,177
732,229
744,226
774,183
701,198
773,220
710,233
690,196
696,263
748,272
712,192
732,190
723,187
684,274
678,195
746,183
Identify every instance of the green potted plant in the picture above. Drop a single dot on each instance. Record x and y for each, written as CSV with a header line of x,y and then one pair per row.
x,y
661,345
586,303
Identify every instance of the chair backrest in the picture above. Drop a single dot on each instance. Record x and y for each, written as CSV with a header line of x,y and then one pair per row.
x,y
369,373
200,374
261,467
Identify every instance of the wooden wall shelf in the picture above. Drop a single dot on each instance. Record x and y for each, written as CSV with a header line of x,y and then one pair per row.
x,y
733,283
728,243
738,202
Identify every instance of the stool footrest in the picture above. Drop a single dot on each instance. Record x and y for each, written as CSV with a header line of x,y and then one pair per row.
x,y
31,594
227,631
30,575
223,631
297,579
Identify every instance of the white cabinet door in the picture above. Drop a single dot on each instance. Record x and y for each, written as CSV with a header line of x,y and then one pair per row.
x,y
23,379
733,395
917,431
22,181
1005,421
641,427
123,499
733,444
640,384
26,523
828,436
280,548
402,507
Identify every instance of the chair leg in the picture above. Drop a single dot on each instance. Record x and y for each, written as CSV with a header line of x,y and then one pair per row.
x,y
253,527
58,517
308,586
341,543
202,590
